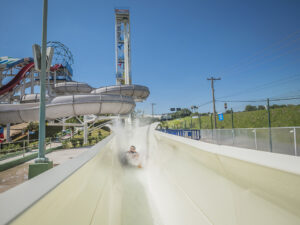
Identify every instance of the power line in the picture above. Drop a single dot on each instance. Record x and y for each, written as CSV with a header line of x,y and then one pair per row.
x,y
283,99
297,93
265,85
261,62
281,66
203,104
261,51
261,100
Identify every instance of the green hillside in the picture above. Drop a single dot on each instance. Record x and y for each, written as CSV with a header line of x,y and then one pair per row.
x,y
280,117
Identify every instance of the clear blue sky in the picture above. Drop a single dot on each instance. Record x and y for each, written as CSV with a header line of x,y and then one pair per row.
x,y
176,45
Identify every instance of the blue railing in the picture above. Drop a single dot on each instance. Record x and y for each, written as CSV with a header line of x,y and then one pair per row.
x,y
193,134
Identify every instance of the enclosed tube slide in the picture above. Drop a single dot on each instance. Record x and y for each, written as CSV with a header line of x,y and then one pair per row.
x,y
138,92
64,106
183,181
72,99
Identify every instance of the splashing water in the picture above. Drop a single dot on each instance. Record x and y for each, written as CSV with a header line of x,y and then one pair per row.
x,y
131,135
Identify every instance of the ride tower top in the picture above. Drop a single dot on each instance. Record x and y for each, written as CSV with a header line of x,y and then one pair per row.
x,y
122,47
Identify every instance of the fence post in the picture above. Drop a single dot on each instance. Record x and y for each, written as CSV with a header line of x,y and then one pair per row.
x,y
255,141
199,117
232,124
28,138
191,122
269,122
23,148
295,141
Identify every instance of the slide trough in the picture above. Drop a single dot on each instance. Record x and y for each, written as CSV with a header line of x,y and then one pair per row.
x,y
182,181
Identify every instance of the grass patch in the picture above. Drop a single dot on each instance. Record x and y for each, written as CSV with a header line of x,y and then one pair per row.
x,y
280,117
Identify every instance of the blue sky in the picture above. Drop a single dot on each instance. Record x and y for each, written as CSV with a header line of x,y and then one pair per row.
x,y
176,45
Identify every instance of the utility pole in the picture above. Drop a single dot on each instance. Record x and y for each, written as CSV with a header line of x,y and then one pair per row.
x,y
153,104
212,79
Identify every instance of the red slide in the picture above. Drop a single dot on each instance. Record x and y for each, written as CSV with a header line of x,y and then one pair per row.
x,y
21,75
16,80
56,67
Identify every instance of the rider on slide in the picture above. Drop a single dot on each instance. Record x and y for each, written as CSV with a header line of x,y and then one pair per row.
x,y
133,157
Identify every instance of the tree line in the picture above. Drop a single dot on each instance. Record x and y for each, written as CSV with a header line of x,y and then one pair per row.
x,y
184,112
262,107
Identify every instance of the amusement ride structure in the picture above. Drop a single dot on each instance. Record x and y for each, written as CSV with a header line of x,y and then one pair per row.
x,y
180,181
122,46
65,97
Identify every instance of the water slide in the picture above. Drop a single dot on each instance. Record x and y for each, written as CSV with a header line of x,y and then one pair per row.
x,y
8,63
70,99
16,80
64,106
182,181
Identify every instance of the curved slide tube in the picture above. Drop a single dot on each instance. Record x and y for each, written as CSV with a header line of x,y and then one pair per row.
x,y
74,98
72,87
16,80
21,75
183,182
64,106
32,98
138,92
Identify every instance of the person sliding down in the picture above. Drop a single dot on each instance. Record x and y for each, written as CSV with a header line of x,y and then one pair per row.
x,y
133,157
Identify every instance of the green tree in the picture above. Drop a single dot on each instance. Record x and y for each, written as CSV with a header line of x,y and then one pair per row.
x,y
182,113
250,108
261,107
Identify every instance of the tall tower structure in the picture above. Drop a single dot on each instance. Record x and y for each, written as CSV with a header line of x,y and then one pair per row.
x,y
122,46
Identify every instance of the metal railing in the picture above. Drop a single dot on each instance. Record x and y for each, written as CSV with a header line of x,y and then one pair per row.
x,y
193,134
284,140
13,149
25,145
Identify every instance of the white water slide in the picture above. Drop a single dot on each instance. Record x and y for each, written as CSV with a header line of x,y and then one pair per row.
x,y
183,181
74,99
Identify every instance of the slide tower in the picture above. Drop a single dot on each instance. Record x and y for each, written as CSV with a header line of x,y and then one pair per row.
x,y
122,45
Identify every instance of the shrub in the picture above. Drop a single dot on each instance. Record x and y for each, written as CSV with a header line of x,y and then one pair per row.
x,y
250,108
67,144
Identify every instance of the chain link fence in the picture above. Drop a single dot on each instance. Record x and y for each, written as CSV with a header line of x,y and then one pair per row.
x,y
284,140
